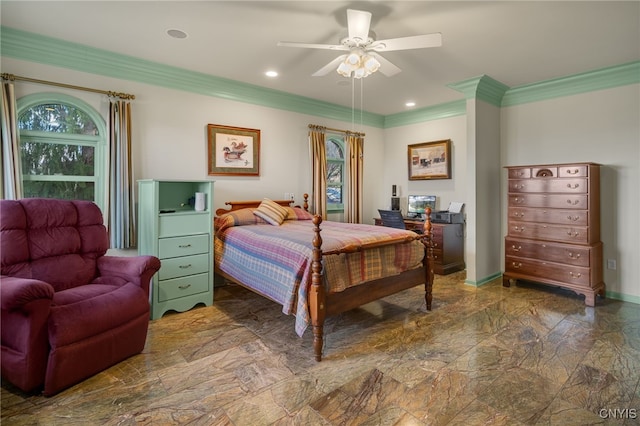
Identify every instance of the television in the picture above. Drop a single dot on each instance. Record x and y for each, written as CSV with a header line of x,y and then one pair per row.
x,y
418,203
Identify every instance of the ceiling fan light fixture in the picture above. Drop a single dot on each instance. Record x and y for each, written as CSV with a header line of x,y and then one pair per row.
x,y
371,64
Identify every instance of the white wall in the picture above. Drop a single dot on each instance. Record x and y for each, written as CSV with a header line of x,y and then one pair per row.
x,y
601,127
169,134
395,171
170,137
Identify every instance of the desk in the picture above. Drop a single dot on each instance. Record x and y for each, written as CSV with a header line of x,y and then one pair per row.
x,y
448,244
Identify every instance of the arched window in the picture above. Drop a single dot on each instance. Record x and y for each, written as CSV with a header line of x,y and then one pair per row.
x,y
335,173
62,148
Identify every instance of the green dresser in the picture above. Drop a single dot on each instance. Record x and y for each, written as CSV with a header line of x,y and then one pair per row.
x,y
170,228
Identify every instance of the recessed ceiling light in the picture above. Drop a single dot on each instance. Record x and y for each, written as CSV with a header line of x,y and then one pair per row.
x,y
410,104
176,33
271,73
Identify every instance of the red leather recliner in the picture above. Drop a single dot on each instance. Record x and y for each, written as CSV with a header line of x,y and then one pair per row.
x,y
68,310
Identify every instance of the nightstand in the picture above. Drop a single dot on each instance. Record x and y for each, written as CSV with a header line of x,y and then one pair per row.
x,y
170,228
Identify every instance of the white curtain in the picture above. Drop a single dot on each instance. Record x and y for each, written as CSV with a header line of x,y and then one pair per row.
x,y
121,206
11,169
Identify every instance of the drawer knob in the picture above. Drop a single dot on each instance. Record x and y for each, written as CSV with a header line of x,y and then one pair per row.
x,y
516,265
574,202
184,287
574,256
518,214
518,186
185,266
573,185
518,200
573,171
516,248
573,218
184,245
575,274
435,244
573,233
518,228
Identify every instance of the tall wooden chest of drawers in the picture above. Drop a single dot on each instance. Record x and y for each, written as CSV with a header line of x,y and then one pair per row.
x,y
170,228
554,227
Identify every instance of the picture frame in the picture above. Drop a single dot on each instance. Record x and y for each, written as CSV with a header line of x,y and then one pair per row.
x,y
233,151
430,160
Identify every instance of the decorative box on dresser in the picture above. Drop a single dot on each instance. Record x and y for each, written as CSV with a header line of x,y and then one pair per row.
x,y
554,227
170,228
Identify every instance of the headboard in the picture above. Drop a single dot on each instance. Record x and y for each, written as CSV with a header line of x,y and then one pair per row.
x,y
237,205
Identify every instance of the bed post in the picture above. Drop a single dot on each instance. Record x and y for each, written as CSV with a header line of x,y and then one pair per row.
x,y
316,292
305,204
428,259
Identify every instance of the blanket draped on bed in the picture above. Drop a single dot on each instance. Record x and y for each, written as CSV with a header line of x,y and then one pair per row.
x,y
276,260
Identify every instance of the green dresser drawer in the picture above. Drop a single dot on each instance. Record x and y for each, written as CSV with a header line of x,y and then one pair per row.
x,y
182,266
183,286
183,246
172,225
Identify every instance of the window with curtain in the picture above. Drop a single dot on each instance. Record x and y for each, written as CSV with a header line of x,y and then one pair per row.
x,y
335,173
62,145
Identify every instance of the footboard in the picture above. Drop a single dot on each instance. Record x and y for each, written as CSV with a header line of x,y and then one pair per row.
x,y
322,304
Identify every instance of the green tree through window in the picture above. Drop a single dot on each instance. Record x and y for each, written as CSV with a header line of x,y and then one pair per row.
x,y
61,142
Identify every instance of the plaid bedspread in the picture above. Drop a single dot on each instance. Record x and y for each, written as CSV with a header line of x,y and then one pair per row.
x,y
276,260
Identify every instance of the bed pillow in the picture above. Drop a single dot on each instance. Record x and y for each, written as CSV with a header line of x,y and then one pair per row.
x,y
271,211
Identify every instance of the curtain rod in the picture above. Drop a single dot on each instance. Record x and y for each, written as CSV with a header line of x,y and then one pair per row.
x,y
11,77
313,126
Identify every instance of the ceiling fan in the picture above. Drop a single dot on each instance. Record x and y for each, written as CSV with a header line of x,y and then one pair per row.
x,y
362,58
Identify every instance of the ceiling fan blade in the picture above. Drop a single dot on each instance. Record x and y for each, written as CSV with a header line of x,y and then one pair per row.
x,y
331,66
312,46
358,22
405,43
386,67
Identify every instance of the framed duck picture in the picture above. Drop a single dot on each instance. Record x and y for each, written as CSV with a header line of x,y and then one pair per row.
x,y
233,151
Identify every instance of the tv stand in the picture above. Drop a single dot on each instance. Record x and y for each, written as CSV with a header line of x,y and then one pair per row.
x,y
448,244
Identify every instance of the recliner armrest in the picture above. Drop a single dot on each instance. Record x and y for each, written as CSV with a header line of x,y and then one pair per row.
x,y
136,269
16,292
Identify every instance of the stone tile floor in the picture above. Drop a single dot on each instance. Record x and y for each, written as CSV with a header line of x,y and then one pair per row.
x,y
524,355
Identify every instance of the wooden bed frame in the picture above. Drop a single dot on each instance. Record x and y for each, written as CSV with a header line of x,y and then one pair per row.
x,y
323,304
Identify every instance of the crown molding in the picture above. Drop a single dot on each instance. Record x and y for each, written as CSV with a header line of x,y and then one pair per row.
x,y
590,81
483,87
46,50
435,112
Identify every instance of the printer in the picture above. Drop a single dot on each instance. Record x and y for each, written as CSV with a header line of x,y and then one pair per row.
x,y
452,215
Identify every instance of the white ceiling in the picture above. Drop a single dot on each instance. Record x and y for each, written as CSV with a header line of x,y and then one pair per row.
x,y
514,42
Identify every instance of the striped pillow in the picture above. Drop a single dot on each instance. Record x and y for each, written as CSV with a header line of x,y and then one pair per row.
x,y
271,211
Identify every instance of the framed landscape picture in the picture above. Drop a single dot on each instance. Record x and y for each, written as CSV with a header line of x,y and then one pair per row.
x,y
233,151
430,160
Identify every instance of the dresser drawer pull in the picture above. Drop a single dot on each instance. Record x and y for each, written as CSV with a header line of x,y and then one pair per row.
x,y
518,186
573,218
518,214
573,233
574,256
184,287
435,244
573,185
516,248
184,245
573,172
518,200
516,265
518,228
574,202
185,266
575,275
